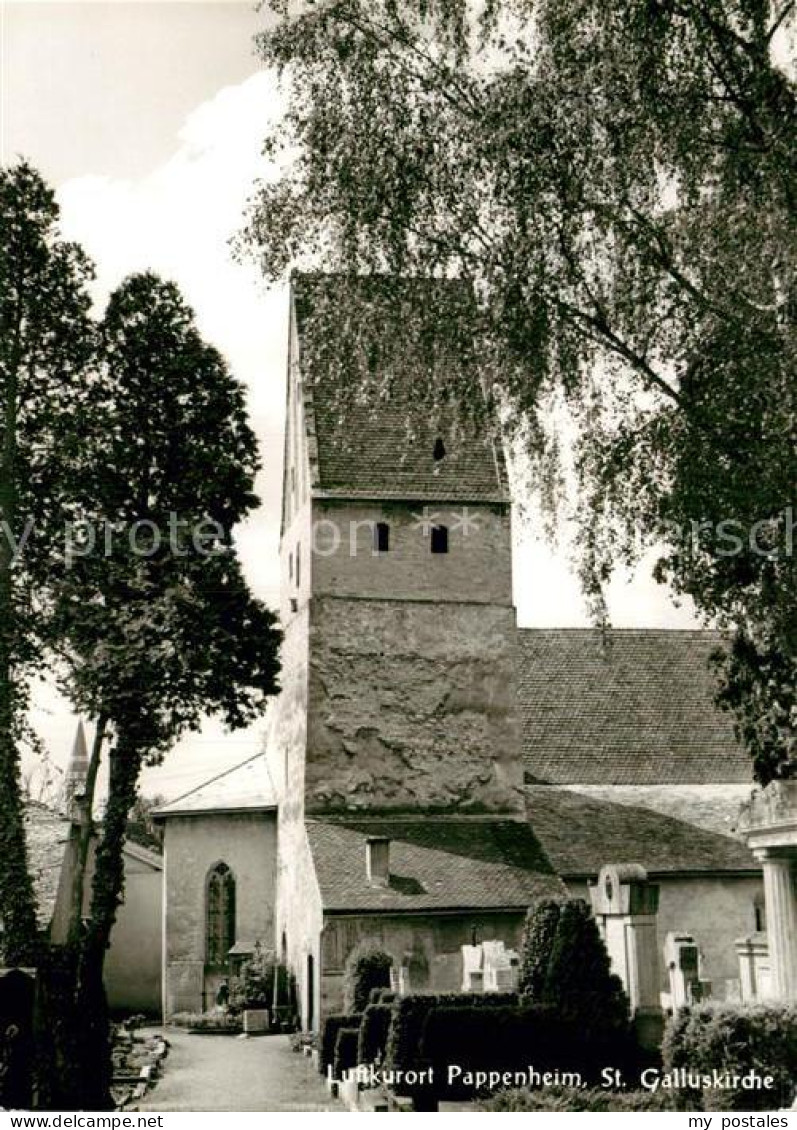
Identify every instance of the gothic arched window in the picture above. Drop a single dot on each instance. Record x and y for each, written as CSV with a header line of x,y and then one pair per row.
x,y
220,919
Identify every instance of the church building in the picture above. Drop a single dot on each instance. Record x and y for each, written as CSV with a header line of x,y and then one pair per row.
x,y
431,770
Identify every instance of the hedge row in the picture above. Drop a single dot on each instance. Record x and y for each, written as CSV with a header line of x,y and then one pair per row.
x,y
575,1099
345,1051
374,1029
329,1037
409,1018
737,1040
378,1032
512,1039
381,996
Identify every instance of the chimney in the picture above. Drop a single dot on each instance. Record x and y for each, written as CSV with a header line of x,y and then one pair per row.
x,y
76,771
377,860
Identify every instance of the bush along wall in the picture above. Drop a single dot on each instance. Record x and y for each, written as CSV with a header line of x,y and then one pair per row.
x,y
539,931
367,968
576,1099
565,966
564,963
717,1056
329,1037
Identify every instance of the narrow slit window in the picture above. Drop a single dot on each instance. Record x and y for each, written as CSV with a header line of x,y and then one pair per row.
x,y
439,451
298,567
381,537
439,539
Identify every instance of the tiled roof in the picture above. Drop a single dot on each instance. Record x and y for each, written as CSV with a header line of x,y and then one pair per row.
x,y
715,808
245,786
435,864
46,834
634,707
579,834
380,442
143,855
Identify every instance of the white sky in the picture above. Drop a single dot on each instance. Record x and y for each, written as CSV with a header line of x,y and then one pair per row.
x,y
148,118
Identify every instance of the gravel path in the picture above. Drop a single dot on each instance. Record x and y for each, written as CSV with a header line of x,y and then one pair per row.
x,y
228,1073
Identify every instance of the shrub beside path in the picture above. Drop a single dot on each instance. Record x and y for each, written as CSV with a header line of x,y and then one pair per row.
x,y
227,1073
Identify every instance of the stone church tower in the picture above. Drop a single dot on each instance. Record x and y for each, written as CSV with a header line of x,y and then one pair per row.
x,y
400,633
399,660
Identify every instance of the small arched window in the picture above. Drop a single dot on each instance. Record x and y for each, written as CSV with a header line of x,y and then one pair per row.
x,y
439,450
220,917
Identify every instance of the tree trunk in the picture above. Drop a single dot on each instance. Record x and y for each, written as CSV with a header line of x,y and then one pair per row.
x,y
84,836
94,1052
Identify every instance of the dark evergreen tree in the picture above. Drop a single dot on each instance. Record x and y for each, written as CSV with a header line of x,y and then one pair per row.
x,y
46,347
367,968
539,932
154,621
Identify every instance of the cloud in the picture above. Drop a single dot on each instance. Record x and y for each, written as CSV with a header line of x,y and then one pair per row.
x,y
178,221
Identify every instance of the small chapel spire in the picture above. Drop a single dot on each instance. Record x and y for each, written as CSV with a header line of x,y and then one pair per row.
x,y
76,771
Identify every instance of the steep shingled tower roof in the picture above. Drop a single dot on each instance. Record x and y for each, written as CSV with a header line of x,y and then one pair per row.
x,y
76,770
376,368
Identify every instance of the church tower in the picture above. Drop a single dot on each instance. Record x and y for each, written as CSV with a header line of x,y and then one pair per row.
x,y
75,775
395,745
400,634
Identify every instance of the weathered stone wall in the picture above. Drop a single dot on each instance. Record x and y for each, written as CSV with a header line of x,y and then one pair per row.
x,y
247,843
287,732
412,707
300,918
298,907
430,943
715,910
477,567
296,566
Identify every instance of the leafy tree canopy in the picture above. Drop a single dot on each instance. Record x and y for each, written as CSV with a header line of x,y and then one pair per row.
x,y
615,178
